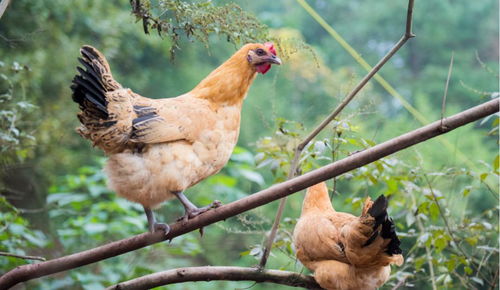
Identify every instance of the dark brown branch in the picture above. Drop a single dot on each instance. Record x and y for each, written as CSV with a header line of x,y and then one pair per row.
x,y
298,151
5,254
275,192
211,273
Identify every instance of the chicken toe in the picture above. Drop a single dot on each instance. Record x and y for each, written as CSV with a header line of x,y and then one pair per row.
x,y
161,227
154,226
192,210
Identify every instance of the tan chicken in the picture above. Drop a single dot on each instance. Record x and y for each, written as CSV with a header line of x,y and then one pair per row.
x,y
158,148
345,251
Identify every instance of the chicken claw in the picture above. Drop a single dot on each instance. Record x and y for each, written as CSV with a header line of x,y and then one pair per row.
x,y
154,226
192,211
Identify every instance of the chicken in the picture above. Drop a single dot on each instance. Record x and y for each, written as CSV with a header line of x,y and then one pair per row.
x,y
345,251
157,148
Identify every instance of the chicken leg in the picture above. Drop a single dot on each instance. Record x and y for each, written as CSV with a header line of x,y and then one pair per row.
x,y
154,226
192,210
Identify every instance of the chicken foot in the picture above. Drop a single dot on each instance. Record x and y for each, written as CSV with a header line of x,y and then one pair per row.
x,y
192,210
153,225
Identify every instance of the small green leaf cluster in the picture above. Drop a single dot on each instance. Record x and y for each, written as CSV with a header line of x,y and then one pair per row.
x,y
16,236
174,19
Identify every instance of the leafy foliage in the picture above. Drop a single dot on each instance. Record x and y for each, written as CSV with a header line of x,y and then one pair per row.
x,y
444,241
174,18
16,139
16,236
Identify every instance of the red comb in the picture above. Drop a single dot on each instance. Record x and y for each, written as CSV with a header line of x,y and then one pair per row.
x,y
270,47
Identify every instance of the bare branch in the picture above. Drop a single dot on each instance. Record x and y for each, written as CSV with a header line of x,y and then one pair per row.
x,y
295,163
211,273
5,254
275,192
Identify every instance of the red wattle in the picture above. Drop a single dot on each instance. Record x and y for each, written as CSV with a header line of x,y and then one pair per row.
x,y
263,68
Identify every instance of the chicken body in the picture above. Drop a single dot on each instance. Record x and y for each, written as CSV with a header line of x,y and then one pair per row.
x,y
157,148
150,178
345,251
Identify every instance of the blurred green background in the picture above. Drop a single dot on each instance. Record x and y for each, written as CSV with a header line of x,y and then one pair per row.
x,y
444,193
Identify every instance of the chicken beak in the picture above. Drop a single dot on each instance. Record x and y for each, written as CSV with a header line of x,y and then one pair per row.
x,y
274,59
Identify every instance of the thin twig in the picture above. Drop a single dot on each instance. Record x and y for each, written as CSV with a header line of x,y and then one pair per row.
x,y
211,273
401,282
443,105
465,282
275,192
295,163
495,280
485,67
5,254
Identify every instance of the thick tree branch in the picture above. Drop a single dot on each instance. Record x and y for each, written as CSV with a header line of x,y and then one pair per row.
x,y
298,151
211,273
275,192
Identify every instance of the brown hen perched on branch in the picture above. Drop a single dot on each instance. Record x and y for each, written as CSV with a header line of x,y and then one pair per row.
x,y
345,251
157,148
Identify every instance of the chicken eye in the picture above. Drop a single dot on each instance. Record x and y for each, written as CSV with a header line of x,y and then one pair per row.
x,y
260,52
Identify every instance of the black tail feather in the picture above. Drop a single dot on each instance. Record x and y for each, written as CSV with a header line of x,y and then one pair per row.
x,y
88,89
89,53
378,211
92,78
389,232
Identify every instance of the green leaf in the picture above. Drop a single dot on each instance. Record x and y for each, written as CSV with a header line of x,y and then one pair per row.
x,y
423,208
410,218
37,238
372,179
472,240
447,279
94,228
242,155
252,176
257,251
434,211
419,262
392,185
65,198
466,190
424,238
223,179
440,243
451,264
477,280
